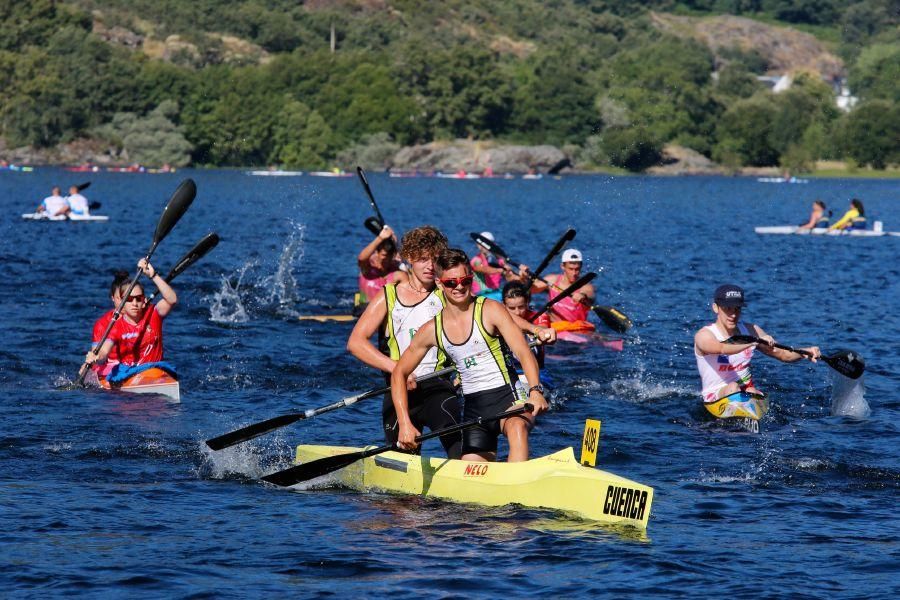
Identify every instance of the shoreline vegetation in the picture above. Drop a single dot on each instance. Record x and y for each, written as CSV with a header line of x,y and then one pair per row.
x,y
659,86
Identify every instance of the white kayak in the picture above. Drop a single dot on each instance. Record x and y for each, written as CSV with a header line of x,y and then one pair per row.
x,y
794,230
781,180
44,217
274,173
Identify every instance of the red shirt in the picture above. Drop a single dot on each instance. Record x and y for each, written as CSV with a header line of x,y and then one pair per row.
x,y
99,329
541,321
141,343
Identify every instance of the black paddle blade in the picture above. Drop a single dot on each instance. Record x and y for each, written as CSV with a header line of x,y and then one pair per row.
x,y
846,362
175,209
94,205
373,225
313,469
490,246
614,318
249,432
568,236
194,254
83,186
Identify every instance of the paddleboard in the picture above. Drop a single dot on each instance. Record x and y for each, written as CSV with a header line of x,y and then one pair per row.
x,y
44,217
275,173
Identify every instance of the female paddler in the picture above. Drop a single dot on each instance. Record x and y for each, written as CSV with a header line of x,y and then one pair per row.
x,y
476,335
725,368
137,335
378,266
818,218
854,218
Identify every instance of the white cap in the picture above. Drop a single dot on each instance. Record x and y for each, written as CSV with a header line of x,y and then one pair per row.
x,y
571,255
487,235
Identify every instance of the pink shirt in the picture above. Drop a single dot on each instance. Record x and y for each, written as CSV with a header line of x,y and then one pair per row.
x,y
567,309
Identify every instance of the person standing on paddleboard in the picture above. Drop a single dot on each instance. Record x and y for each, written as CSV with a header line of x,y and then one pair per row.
x,y
378,266
137,334
576,307
725,368
484,332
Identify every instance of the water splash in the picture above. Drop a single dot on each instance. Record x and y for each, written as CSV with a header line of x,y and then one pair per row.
x,y
848,397
227,306
283,286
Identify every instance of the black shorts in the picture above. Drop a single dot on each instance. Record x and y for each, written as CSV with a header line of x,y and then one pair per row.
x,y
483,438
433,404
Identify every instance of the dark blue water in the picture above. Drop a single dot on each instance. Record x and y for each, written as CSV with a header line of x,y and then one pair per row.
x,y
114,495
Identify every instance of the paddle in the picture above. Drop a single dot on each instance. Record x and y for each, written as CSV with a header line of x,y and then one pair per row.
x,y
372,224
568,236
579,283
845,362
614,318
257,429
176,207
329,464
193,255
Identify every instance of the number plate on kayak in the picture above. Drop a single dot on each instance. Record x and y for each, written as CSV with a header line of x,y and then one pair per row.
x,y
590,443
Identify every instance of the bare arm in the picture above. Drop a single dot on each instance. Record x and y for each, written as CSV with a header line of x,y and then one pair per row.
x,y
479,265
813,219
542,334
169,298
409,360
360,345
496,316
707,343
780,353
101,353
366,253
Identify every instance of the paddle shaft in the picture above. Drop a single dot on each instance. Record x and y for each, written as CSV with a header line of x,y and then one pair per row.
x,y
200,250
579,283
365,184
257,429
568,236
323,466
845,362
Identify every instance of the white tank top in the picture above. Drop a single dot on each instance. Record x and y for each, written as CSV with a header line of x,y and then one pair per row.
x,y
404,321
718,370
483,361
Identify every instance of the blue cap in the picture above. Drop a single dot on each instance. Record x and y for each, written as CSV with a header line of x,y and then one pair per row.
x,y
729,295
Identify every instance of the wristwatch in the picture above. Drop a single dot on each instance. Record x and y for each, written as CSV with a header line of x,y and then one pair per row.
x,y
538,388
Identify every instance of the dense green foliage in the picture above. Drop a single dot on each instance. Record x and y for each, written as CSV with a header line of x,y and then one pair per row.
x,y
595,76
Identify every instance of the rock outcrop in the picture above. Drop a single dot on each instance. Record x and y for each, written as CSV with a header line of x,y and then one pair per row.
x,y
476,157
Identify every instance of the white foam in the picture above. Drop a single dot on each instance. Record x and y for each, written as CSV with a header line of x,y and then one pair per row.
x,y
848,397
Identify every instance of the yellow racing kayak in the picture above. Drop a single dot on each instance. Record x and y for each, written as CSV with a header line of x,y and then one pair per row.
x,y
556,482
741,408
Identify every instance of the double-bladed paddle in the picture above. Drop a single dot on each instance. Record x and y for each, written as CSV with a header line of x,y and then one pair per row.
x,y
174,210
329,464
376,223
257,429
568,236
845,362
200,250
579,283
613,317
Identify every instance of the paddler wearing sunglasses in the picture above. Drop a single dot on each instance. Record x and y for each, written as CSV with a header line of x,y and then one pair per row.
x,y
137,334
476,334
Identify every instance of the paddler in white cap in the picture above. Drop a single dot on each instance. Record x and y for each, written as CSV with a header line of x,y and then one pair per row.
x,y
576,307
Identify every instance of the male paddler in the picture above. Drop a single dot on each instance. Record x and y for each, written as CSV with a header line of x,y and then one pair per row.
x,y
396,315
476,335
725,368
54,204
577,306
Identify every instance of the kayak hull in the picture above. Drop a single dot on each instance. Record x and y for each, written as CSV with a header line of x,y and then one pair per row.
x,y
740,409
555,482
44,217
151,381
794,230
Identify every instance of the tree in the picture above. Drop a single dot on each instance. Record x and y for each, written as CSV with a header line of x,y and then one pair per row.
x,y
871,133
632,148
745,130
877,73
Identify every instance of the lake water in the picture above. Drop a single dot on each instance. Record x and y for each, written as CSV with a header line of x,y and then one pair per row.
x,y
112,495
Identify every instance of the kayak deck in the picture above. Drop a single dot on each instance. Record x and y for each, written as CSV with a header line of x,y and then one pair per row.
x,y
556,482
151,381
740,409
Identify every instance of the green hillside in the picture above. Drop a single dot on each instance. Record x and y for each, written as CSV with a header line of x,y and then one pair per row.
x,y
243,82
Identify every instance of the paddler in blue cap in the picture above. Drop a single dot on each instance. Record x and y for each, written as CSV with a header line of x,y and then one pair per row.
x,y
725,368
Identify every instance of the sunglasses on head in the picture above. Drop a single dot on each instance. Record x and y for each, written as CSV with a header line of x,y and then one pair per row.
x,y
454,282
136,298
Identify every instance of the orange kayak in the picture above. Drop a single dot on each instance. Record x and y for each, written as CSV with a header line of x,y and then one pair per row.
x,y
151,381
573,326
